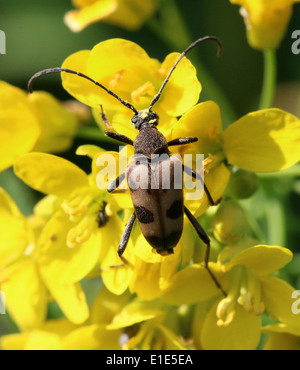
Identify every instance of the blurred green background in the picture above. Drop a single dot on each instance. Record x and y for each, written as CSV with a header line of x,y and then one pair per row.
x,y
37,39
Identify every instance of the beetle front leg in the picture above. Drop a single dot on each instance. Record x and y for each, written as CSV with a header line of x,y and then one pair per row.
x,y
125,237
113,135
116,183
119,137
182,141
204,237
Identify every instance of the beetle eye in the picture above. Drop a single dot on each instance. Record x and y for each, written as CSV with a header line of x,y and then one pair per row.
x,y
136,121
135,118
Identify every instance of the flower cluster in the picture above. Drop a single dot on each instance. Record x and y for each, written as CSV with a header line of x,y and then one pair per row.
x,y
68,245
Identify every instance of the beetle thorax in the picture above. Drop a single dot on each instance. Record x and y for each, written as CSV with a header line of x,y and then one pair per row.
x,y
150,141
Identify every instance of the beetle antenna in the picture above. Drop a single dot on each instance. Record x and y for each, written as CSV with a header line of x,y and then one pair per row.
x,y
206,38
55,70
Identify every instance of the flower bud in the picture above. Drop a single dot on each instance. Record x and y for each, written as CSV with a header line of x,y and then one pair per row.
x,y
243,184
266,21
229,223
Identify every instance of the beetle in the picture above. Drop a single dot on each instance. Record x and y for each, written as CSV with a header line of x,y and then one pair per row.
x,y
160,212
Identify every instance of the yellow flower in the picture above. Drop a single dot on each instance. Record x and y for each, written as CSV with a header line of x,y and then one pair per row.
x,y
143,324
129,14
262,141
266,21
61,334
126,69
244,272
282,337
75,239
24,278
57,125
19,129
26,294
32,122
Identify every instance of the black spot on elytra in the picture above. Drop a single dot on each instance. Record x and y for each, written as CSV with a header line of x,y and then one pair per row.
x,y
176,209
144,215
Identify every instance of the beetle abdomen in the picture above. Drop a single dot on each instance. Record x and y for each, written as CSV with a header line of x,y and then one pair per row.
x,y
158,203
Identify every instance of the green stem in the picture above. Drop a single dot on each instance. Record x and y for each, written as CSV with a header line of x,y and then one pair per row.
x,y
269,80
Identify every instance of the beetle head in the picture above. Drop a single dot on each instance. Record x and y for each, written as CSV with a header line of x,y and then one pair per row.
x,y
144,118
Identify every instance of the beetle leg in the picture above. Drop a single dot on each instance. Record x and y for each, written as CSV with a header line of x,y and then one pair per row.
x,y
197,176
182,141
105,120
204,237
119,137
114,135
125,237
116,183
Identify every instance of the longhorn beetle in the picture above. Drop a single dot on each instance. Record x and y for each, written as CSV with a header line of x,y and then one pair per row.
x,y
159,212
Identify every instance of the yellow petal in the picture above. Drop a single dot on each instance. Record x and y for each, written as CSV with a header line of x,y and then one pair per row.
x,y
243,333
204,122
59,262
145,279
91,337
42,340
89,150
137,311
50,174
263,141
121,66
83,90
106,305
26,298
129,14
264,259
143,250
172,341
14,232
281,337
19,128
216,182
14,342
71,299
282,342
178,97
277,296
266,21
116,279
58,126
47,337
97,11
46,207
193,284
282,328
